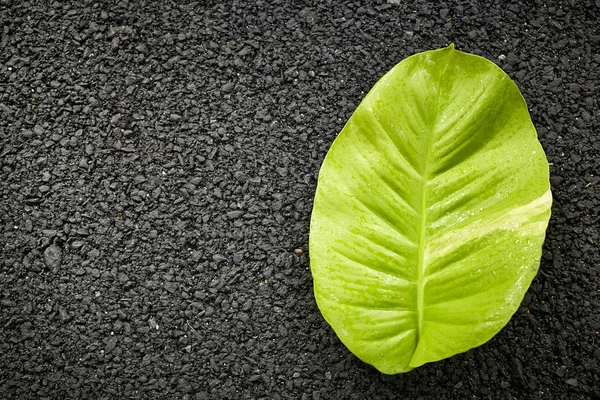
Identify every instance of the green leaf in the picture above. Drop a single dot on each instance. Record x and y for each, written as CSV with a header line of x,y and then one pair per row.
x,y
430,212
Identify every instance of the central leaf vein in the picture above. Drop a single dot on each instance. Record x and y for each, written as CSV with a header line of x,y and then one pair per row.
x,y
424,214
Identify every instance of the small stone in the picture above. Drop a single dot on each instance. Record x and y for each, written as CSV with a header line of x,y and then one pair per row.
x,y
52,256
64,315
277,205
199,295
282,171
196,256
115,119
238,257
219,258
7,303
49,233
110,346
227,87
234,214
298,252
152,324
38,130
572,382
170,287
94,253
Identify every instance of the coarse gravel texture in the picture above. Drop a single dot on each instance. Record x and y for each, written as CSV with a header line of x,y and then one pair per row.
x,y
158,164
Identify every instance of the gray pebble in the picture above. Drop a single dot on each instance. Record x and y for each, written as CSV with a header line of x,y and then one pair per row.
x,y
110,346
52,256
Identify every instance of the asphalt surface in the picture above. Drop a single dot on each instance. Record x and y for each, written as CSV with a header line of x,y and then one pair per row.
x,y
158,164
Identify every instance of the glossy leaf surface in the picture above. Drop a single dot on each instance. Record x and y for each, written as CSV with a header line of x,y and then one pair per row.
x,y
430,212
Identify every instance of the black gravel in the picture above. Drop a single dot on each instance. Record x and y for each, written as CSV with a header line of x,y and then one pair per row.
x,y
159,161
